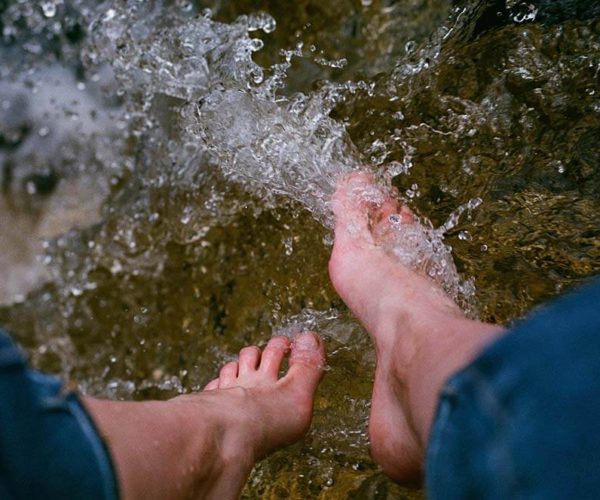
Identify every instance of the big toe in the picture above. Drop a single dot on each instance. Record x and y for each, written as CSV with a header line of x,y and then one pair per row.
x,y
306,363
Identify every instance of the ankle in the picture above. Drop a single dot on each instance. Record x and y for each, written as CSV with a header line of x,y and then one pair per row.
x,y
440,352
219,453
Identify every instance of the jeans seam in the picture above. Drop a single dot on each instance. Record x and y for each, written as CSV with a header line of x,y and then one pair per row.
x,y
98,448
486,402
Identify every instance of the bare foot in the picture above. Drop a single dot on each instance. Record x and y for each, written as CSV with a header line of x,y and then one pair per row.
x,y
282,405
420,335
205,445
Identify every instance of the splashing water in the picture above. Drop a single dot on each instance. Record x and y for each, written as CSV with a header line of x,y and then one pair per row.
x,y
272,146
174,162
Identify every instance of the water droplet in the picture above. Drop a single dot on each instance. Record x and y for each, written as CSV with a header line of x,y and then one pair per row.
x,y
256,44
109,15
49,9
116,267
288,244
269,25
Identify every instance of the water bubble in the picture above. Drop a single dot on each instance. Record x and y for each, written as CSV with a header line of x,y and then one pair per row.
x,y
522,11
262,21
335,63
116,267
187,6
256,44
269,24
288,244
560,167
48,8
464,236
413,191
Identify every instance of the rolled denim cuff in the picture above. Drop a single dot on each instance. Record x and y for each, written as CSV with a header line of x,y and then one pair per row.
x,y
49,445
97,445
521,420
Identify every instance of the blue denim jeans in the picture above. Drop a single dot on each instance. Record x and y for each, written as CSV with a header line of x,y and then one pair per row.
x,y
520,421
49,446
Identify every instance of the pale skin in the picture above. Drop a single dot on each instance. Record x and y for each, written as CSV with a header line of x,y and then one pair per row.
x,y
421,336
204,445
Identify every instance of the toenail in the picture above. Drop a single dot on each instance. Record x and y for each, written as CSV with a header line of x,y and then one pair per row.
x,y
306,342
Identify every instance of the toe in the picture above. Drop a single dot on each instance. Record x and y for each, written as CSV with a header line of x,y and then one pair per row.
x,y
212,385
228,375
248,360
273,355
307,362
391,217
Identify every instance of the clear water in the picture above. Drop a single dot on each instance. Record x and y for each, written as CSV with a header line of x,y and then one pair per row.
x,y
166,167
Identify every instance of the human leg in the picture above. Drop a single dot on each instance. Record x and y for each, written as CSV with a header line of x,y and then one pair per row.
x,y
204,445
520,421
420,336
49,446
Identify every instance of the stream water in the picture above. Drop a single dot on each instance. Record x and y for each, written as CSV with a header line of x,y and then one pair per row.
x,y
166,166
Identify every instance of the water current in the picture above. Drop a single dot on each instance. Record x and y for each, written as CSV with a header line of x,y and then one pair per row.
x,y
166,167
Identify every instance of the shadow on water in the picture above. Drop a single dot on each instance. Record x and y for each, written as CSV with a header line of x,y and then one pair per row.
x,y
164,178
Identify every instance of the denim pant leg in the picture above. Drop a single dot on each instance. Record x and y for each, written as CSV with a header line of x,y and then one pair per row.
x,y
521,420
49,446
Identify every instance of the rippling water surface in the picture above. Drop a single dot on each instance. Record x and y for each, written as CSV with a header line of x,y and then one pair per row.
x,y
165,169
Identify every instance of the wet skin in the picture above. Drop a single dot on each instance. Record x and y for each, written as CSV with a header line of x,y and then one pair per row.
x,y
204,445
420,335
